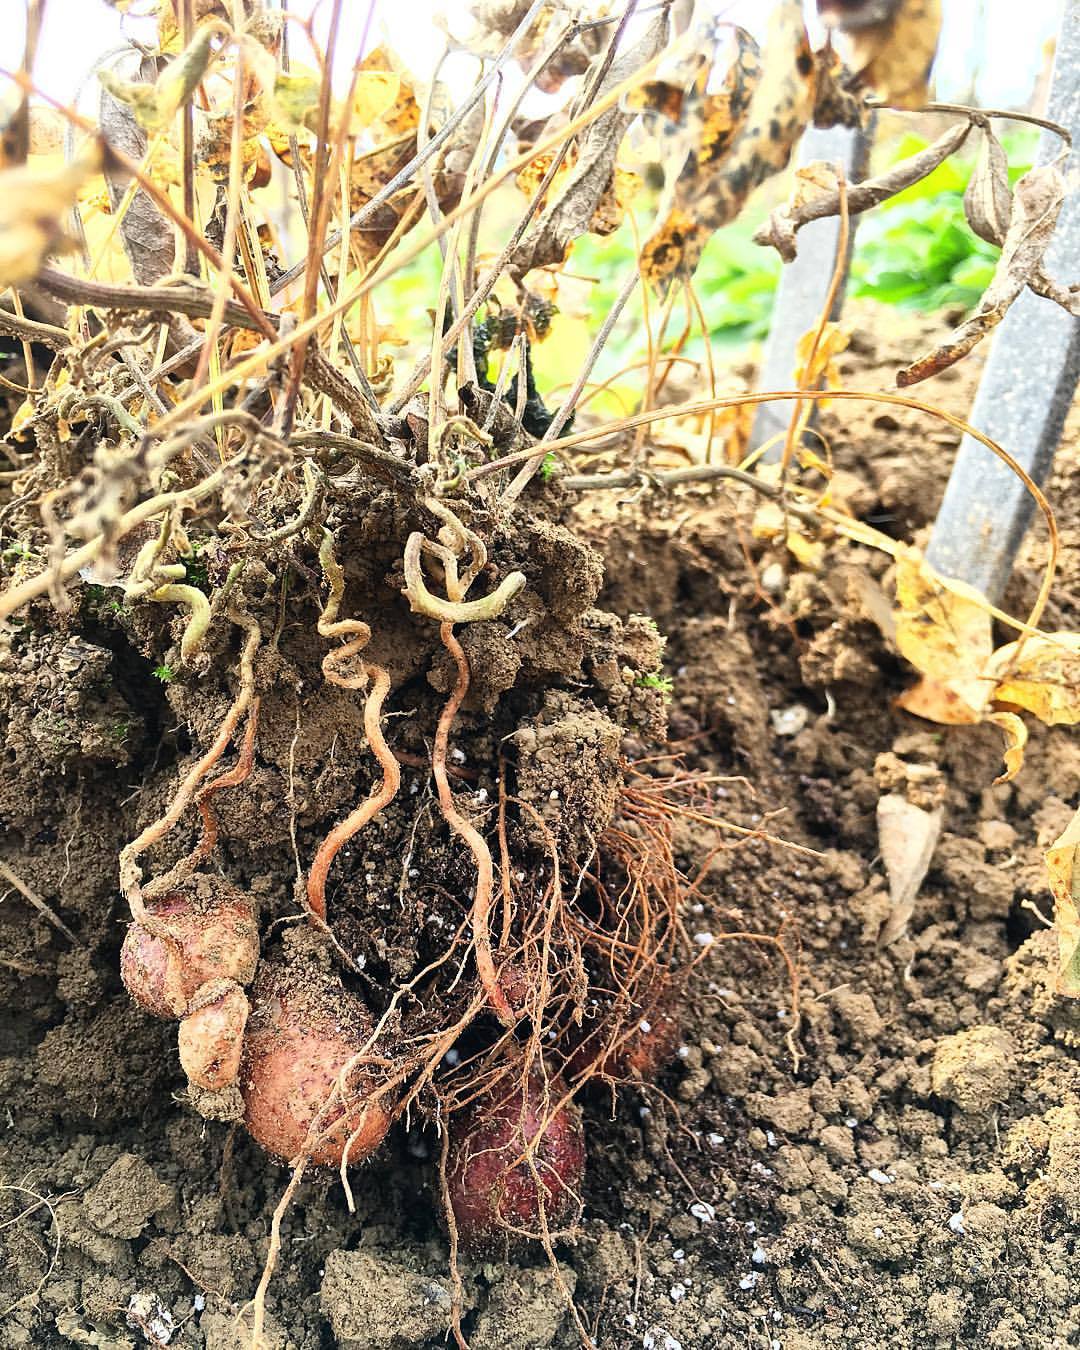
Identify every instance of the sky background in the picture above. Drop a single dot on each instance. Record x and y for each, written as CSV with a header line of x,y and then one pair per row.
x,y
998,42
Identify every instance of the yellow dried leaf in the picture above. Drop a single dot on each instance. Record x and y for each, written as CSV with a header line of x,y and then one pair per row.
x,y
376,93
1065,885
1041,675
945,632
937,703
294,100
814,357
1016,736
34,202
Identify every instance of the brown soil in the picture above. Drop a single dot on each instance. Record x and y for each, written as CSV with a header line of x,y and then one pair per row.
x,y
910,1176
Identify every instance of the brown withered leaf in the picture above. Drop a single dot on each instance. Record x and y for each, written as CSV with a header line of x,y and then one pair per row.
x,y
570,215
784,223
907,837
893,56
1037,201
147,237
988,197
765,113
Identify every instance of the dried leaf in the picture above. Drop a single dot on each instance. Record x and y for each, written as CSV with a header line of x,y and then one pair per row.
x,y
988,197
147,237
893,56
571,214
945,632
784,223
814,357
34,203
1037,201
936,702
155,105
1042,676
1016,737
402,114
907,837
1065,885
756,128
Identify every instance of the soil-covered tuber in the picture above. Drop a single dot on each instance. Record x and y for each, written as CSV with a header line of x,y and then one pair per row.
x,y
212,935
516,1163
211,1038
305,1028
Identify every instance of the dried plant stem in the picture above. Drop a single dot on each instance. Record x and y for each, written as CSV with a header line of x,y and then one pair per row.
x,y
13,879
536,457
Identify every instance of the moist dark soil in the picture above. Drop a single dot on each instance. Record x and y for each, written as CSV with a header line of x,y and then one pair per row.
x,y
901,1166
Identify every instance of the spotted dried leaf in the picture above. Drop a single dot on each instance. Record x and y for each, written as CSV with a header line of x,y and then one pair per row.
x,y
945,633
766,111
570,215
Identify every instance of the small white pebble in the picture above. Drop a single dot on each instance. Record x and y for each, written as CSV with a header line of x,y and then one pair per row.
x,y
749,1279
879,1232
458,756
452,1057
956,1221
481,796
200,1302
414,872
781,1013
770,1138
704,938
850,1122
882,1178
758,1255
714,1140
678,1254
678,1292
683,1052
702,1210
553,795
521,876
644,1027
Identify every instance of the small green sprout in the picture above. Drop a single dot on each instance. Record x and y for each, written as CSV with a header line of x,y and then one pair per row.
x,y
654,680
548,467
164,673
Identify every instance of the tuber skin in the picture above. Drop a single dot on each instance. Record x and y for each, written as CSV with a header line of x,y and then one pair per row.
x,y
495,1195
305,1026
211,1037
214,936
638,1056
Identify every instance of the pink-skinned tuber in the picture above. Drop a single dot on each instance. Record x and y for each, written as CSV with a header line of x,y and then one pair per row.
x,y
208,932
515,1164
305,1028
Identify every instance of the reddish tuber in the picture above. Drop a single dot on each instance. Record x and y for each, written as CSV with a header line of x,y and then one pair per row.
x,y
638,1054
305,1027
494,1192
212,935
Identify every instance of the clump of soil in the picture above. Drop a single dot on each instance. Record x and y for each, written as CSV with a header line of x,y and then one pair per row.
x,y
903,1159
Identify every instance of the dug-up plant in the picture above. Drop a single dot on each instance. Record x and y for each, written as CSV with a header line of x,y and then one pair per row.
x,y
222,439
